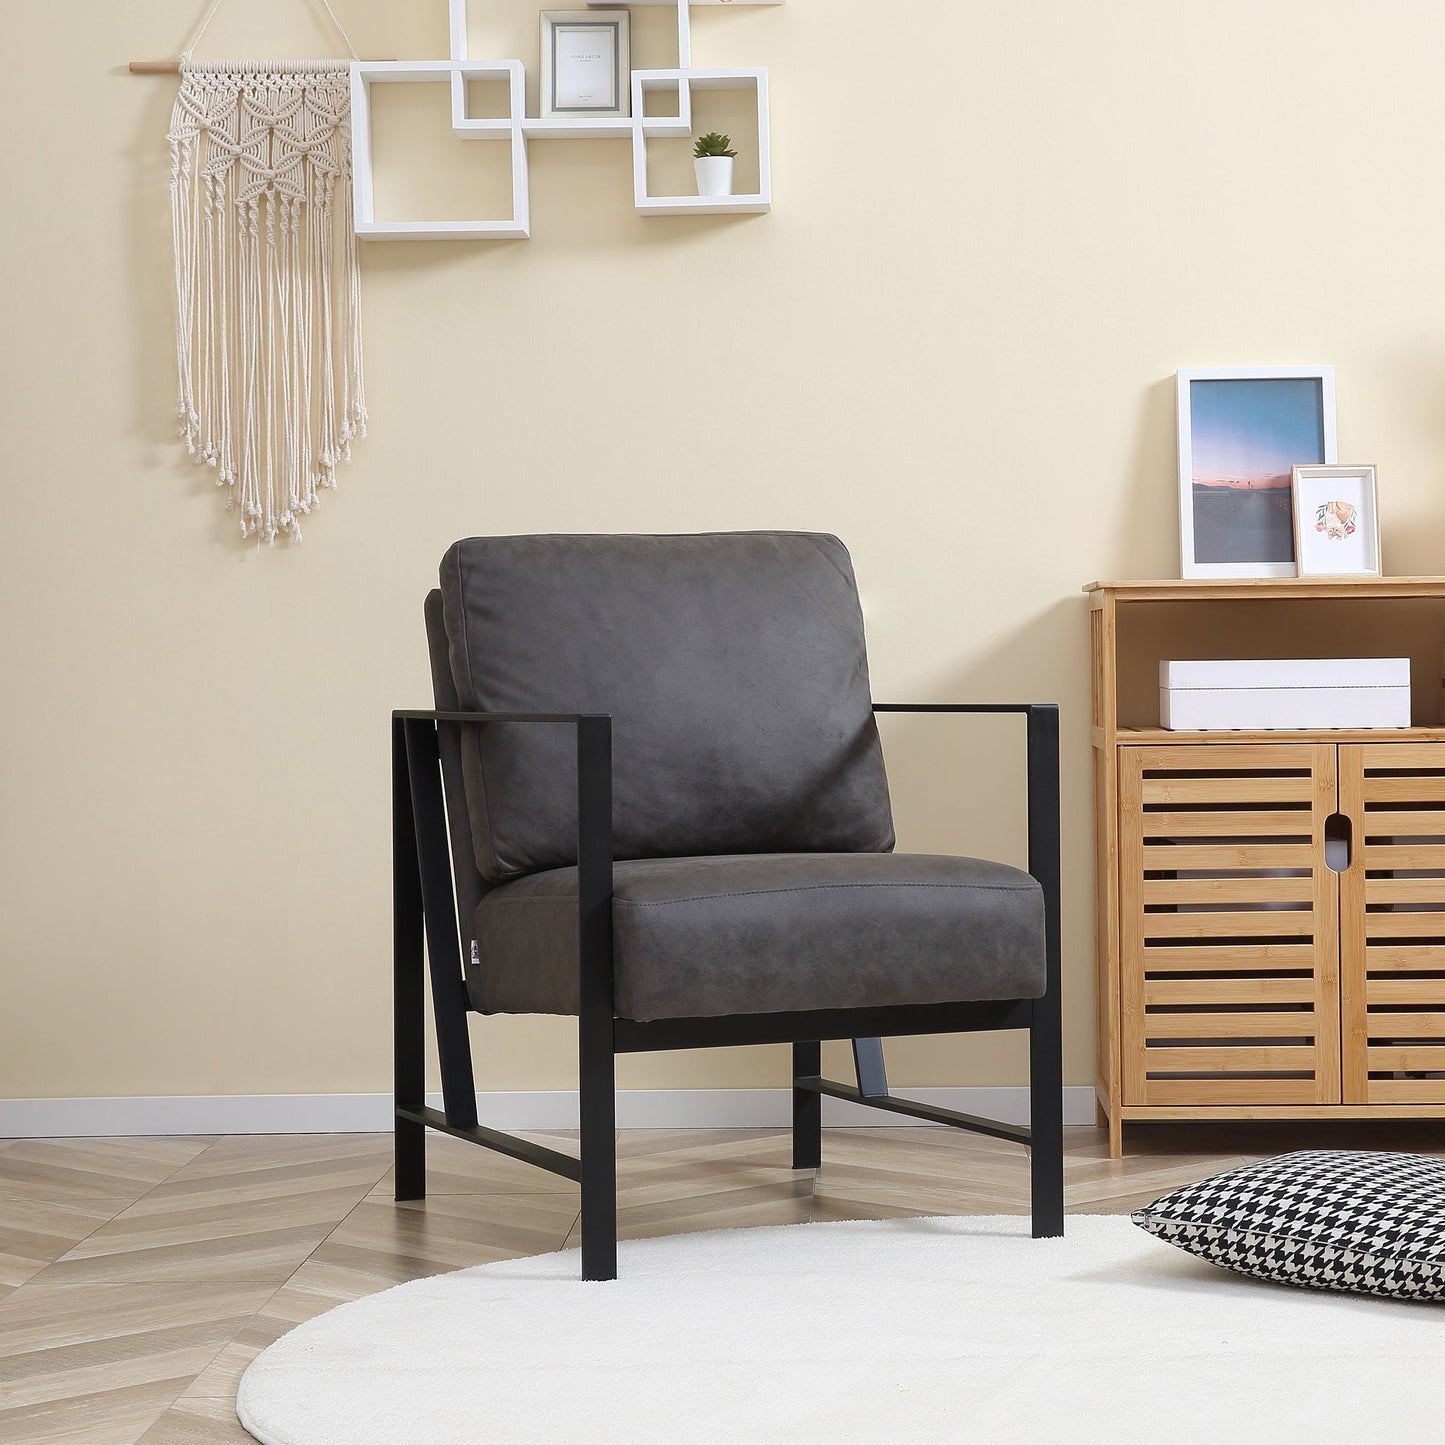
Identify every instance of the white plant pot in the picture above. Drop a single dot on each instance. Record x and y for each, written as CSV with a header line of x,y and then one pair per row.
x,y
714,175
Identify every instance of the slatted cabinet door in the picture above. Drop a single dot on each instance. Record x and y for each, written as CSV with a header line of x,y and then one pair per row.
x,y
1229,942
1393,923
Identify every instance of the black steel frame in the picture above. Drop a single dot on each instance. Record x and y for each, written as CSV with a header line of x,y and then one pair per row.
x,y
426,938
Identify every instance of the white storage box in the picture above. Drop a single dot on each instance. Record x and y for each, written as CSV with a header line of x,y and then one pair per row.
x,y
1259,693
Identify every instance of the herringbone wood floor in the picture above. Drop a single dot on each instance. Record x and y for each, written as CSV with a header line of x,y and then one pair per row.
x,y
139,1277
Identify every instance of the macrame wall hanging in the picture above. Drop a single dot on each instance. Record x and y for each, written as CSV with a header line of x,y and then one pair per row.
x,y
268,290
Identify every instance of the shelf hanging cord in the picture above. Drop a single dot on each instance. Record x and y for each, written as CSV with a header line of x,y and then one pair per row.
x,y
216,5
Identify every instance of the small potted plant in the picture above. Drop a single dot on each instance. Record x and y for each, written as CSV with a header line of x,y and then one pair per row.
x,y
713,161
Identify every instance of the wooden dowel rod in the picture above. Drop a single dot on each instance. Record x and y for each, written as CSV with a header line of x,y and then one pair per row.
x,y
156,67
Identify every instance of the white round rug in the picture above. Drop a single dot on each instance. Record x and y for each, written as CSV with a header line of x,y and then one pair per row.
x,y
907,1330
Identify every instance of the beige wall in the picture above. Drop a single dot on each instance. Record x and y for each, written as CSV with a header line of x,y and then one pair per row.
x,y
1000,226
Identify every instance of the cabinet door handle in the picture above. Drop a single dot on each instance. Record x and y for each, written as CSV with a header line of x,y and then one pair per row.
x,y
1339,842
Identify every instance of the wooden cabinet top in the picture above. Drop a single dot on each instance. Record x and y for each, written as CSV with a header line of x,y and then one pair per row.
x,y
1207,589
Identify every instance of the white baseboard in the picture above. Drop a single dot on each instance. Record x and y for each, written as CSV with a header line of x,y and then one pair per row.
x,y
371,1113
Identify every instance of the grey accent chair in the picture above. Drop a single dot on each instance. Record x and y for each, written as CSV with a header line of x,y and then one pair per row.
x,y
651,796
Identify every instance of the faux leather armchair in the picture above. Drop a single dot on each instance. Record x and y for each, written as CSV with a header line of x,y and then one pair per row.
x,y
652,797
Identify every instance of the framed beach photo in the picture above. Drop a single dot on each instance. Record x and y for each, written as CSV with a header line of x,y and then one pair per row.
x,y
586,62
1336,523
1241,434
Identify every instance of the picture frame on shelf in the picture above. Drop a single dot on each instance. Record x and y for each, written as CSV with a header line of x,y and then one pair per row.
x,y
1336,521
1241,433
586,63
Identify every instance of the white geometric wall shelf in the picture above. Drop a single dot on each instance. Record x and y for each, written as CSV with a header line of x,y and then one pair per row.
x,y
517,128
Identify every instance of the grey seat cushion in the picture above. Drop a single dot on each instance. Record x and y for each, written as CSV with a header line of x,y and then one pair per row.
x,y
733,665
701,937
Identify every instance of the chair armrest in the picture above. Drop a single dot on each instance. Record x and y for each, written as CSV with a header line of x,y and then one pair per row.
x,y
423,715
594,769
594,828
1043,801
1028,707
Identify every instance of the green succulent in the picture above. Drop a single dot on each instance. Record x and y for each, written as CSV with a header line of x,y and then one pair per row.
x,y
713,144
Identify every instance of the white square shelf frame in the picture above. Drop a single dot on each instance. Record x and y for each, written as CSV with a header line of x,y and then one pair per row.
x,y
517,128
365,74
684,82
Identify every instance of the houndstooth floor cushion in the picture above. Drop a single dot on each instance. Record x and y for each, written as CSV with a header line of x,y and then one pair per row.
x,y
1324,1219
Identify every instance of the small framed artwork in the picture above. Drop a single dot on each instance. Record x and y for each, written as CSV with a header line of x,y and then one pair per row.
x,y
1336,524
586,62
1241,433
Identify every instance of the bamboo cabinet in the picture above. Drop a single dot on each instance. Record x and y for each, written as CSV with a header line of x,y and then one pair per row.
x,y
1270,905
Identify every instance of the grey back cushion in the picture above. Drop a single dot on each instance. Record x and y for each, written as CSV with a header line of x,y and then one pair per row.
x,y
733,665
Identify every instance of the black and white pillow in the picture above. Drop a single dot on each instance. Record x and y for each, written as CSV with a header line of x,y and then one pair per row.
x,y
1325,1219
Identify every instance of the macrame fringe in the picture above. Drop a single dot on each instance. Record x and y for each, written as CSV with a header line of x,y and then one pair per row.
x,y
268,289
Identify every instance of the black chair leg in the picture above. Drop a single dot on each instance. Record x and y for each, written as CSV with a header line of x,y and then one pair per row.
x,y
408,982
409,1065
410,1160
598,1094
872,1072
1046,1035
807,1108
1046,1091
